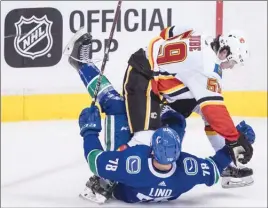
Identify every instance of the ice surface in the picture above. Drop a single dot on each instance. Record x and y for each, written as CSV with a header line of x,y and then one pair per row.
x,y
42,165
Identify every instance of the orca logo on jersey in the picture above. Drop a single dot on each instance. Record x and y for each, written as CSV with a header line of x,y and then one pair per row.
x,y
133,164
190,166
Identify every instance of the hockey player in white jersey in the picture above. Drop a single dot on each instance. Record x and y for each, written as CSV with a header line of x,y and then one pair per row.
x,y
183,68
181,99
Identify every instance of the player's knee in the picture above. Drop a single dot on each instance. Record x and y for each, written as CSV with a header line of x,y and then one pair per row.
x,y
113,105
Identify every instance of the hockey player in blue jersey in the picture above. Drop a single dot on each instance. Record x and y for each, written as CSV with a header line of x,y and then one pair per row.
x,y
160,172
113,105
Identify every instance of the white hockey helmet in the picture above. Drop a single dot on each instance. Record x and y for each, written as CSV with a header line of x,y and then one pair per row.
x,y
238,47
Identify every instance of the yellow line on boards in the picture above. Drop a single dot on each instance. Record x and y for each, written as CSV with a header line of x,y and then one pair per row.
x,y
69,106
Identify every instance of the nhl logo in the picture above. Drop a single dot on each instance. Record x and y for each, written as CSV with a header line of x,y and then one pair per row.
x,y
33,36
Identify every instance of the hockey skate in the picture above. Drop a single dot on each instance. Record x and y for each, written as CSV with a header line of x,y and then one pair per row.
x,y
235,177
98,190
79,49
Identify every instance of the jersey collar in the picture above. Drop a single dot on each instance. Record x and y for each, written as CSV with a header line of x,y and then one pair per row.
x,y
161,175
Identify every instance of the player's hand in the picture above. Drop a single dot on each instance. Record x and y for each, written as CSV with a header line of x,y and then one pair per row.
x,y
168,114
90,121
174,120
240,150
247,130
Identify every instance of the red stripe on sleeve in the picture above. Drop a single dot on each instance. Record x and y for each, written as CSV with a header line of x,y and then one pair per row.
x,y
166,84
155,87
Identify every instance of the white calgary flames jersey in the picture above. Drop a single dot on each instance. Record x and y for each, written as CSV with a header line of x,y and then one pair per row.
x,y
186,67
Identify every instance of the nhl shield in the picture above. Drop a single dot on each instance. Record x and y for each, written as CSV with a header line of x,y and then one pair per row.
x,y
33,36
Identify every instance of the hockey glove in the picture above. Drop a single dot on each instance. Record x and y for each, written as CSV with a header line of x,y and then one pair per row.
x,y
174,120
240,149
247,130
90,121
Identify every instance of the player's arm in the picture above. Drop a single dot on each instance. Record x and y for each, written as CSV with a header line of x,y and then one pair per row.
x,y
106,164
204,171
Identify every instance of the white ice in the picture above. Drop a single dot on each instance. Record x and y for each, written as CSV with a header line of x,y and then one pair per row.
x,y
42,165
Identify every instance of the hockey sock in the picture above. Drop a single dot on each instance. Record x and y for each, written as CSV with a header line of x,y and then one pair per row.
x,y
89,74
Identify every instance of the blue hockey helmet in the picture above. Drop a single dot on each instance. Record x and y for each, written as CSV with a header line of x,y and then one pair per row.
x,y
166,145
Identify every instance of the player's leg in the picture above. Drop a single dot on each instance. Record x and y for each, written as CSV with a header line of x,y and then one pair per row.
x,y
142,105
117,132
113,105
111,102
79,52
116,127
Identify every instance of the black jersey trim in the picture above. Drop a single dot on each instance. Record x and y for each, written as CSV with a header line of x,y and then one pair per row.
x,y
211,98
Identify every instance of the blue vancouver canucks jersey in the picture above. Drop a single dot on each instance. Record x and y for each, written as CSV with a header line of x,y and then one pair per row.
x,y
140,181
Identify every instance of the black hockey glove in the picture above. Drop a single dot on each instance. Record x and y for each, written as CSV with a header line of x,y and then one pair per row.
x,y
240,150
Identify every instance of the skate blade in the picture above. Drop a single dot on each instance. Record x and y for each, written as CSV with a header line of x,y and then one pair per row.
x,y
229,182
69,47
90,196
91,199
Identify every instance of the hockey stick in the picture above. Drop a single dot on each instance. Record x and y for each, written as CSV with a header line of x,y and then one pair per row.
x,y
107,50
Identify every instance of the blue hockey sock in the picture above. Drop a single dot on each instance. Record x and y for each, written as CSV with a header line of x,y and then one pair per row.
x,y
89,74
